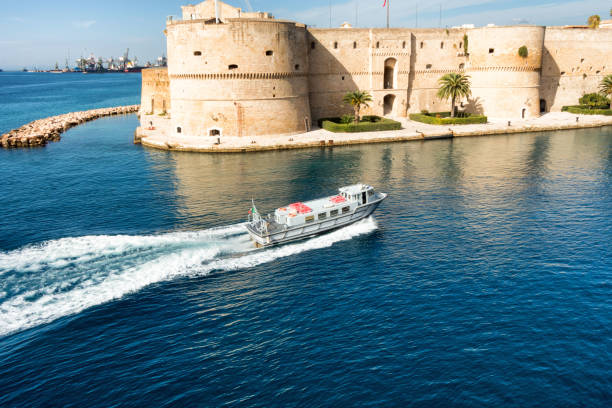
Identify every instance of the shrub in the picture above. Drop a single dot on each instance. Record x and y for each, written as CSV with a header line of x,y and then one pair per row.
x,y
523,52
347,119
367,124
585,110
443,118
465,44
424,111
594,101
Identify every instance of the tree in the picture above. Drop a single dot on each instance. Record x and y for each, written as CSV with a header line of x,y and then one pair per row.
x,y
594,21
523,52
454,86
594,101
358,99
605,87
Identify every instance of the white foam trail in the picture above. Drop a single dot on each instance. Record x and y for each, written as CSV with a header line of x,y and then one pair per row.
x,y
58,253
38,302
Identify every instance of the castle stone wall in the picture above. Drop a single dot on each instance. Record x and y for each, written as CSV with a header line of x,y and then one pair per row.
x,y
574,63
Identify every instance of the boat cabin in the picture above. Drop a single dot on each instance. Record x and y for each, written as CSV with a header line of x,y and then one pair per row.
x,y
324,209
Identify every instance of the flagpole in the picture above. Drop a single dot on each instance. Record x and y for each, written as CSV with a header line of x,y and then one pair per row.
x,y
388,1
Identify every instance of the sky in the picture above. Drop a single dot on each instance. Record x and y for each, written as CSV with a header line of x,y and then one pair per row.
x,y
39,33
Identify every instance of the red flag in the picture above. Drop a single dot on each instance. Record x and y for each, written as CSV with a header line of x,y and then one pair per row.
x,y
385,3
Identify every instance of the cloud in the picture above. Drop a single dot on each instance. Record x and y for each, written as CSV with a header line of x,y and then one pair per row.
x,y
84,24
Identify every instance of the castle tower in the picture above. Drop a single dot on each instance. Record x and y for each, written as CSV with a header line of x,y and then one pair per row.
x,y
233,73
505,84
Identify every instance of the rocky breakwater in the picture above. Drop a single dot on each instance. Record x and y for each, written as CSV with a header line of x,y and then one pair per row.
x,y
41,131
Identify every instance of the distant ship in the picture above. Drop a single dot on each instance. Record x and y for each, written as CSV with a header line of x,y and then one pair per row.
x,y
304,220
1,70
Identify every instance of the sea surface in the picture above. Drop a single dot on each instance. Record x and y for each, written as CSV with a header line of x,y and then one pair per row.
x,y
127,280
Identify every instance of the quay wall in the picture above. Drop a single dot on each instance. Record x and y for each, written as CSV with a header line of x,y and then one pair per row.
x,y
39,132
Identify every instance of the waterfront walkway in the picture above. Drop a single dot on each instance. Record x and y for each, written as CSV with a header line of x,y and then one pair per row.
x,y
411,131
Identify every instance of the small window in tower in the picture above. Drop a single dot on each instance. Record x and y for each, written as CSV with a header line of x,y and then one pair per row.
x,y
197,53
422,44
178,129
312,45
378,44
460,45
297,67
461,66
233,66
428,66
442,45
343,78
335,44
404,44
269,53
354,44
491,50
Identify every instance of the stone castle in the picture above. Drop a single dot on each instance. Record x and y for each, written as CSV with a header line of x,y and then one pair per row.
x,y
233,73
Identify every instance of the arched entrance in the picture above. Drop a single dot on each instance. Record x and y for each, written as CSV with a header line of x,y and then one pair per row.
x,y
388,104
542,105
390,74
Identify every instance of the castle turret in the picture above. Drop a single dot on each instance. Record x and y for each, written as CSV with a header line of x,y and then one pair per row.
x,y
242,75
505,65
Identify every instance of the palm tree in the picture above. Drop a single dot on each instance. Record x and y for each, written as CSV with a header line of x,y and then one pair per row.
x,y
605,87
594,21
357,99
454,86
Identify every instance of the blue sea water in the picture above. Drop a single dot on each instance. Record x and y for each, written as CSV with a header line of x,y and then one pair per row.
x,y
126,279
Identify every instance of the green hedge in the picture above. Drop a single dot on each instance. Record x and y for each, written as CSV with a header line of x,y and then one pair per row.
x,y
584,110
445,119
367,124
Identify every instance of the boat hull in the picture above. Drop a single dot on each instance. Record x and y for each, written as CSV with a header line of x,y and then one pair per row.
x,y
304,231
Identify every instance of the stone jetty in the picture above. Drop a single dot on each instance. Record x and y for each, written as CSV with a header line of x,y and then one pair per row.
x,y
41,131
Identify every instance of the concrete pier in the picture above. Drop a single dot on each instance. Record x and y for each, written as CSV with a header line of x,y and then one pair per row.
x,y
41,131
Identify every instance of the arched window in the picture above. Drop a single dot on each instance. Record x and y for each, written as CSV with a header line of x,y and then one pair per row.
x,y
354,44
377,44
390,74
442,45
404,44
335,44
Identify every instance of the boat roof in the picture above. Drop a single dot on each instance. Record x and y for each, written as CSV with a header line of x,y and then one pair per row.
x,y
354,188
326,203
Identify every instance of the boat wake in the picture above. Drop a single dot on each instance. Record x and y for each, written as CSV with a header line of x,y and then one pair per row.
x,y
41,283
